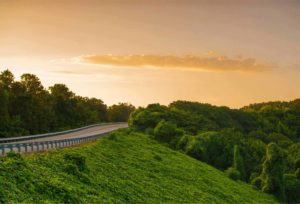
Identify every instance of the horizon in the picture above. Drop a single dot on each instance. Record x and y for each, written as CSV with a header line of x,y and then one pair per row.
x,y
144,106
227,54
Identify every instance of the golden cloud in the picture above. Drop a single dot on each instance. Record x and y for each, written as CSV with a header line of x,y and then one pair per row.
x,y
205,63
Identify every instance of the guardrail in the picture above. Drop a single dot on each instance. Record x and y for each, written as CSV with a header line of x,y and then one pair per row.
x,y
29,137
29,147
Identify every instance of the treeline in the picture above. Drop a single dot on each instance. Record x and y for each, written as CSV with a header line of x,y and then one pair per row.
x,y
26,107
258,144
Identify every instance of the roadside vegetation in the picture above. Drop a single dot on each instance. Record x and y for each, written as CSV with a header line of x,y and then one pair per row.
x,y
125,167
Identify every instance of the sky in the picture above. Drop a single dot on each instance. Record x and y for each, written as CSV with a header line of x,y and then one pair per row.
x,y
231,53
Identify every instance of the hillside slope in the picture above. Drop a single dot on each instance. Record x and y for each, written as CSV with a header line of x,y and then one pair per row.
x,y
123,167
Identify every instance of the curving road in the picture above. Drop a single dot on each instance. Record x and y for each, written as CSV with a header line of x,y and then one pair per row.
x,y
78,134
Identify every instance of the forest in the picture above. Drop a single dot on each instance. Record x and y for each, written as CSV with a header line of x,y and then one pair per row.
x,y
27,107
258,144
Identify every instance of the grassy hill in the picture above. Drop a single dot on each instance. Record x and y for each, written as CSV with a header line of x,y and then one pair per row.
x,y
123,167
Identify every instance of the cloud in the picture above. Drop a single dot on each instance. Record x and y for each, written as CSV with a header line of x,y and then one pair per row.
x,y
209,62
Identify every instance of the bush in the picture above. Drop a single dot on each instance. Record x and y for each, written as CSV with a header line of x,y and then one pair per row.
x,y
257,182
113,136
297,173
149,131
166,131
195,149
233,173
76,159
292,188
273,169
238,162
297,163
14,155
182,142
157,157
253,176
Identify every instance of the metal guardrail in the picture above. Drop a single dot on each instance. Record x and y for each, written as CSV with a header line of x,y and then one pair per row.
x,y
30,137
29,147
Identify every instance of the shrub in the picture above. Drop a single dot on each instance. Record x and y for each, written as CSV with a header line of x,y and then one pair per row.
x,y
253,176
149,131
292,188
113,136
257,182
157,157
297,163
233,173
273,169
196,149
182,142
76,159
166,131
238,162
297,173
14,155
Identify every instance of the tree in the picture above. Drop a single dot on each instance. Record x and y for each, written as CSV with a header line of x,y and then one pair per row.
x,y
273,170
167,131
7,79
233,173
32,84
238,162
64,106
145,118
4,116
120,112
292,188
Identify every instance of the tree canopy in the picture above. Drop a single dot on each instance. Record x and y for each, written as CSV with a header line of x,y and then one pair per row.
x,y
27,107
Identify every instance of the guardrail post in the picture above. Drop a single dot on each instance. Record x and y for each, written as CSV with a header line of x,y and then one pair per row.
x,y
37,146
11,148
31,145
19,147
25,148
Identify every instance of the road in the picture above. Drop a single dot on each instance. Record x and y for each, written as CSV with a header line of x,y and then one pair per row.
x,y
78,134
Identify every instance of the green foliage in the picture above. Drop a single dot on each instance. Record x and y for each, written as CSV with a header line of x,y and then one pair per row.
x,y
26,107
233,173
167,131
238,162
195,148
142,119
257,182
297,173
211,133
76,159
132,169
120,112
292,188
183,141
273,170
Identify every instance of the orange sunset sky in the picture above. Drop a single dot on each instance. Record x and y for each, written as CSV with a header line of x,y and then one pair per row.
x,y
229,53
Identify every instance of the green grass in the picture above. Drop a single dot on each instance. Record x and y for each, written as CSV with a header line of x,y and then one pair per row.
x,y
123,167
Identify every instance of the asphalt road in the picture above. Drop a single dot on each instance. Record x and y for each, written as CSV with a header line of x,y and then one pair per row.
x,y
79,134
